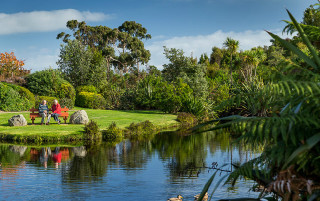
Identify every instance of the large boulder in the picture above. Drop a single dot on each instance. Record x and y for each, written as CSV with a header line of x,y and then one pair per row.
x,y
17,120
79,117
80,151
18,149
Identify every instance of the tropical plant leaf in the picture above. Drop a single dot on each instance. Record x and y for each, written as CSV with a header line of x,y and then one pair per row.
x,y
305,39
207,186
217,185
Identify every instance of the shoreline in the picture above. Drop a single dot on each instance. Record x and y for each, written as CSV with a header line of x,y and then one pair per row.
x,y
74,132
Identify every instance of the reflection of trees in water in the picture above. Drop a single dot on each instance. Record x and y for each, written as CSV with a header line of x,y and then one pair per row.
x,y
88,167
12,155
184,155
134,154
12,159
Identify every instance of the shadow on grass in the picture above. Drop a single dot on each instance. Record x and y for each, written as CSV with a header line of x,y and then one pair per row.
x,y
142,111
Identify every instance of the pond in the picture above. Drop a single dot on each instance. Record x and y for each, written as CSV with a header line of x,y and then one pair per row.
x,y
152,169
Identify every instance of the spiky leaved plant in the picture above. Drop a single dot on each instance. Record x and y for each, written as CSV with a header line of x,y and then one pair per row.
x,y
289,166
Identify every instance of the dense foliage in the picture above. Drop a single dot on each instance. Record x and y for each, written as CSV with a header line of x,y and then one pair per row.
x,y
15,98
186,119
122,48
142,129
92,131
81,65
50,83
282,116
112,133
90,100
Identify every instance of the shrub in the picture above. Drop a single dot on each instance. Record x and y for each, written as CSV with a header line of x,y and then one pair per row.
x,y
127,100
112,95
66,102
50,83
141,129
186,119
194,106
90,100
86,88
44,82
49,100
11,100
112,133
67,92
92,131
24,92
148,91
173,96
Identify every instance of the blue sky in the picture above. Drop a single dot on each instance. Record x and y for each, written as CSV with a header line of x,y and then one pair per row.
x,y
29,28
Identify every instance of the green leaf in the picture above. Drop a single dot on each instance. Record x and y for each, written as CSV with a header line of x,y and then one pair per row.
x,y
217,185
206,187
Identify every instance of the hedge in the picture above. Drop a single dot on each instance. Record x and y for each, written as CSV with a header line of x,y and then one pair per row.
x,y
51,84
90,100
86,88
12,100
24,92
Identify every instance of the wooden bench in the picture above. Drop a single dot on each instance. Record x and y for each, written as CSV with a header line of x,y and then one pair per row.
x,y
35,113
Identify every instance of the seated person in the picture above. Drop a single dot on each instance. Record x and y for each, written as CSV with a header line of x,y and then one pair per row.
x,y
56,111
44,111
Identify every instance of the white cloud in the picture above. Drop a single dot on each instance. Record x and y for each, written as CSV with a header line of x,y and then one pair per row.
x,y
36,58
38,62
197,45
42,21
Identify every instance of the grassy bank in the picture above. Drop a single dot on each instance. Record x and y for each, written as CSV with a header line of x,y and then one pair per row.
x,y
55,132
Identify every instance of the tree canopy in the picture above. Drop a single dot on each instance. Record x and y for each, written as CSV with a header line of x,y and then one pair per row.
x,y
121,47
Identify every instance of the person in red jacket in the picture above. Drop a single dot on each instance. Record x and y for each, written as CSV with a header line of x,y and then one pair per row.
x,y
56,111
56,157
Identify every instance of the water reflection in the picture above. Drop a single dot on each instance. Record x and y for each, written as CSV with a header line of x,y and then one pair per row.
x,y
167,163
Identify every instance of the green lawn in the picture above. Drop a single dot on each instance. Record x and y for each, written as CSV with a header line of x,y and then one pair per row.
x,y
103,117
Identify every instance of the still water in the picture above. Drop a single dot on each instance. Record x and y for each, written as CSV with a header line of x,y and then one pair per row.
x,y
149,169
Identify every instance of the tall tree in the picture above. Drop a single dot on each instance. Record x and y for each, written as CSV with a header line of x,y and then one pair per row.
x,y
122,47
81,65
216,56
204,59
232,46
187,69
